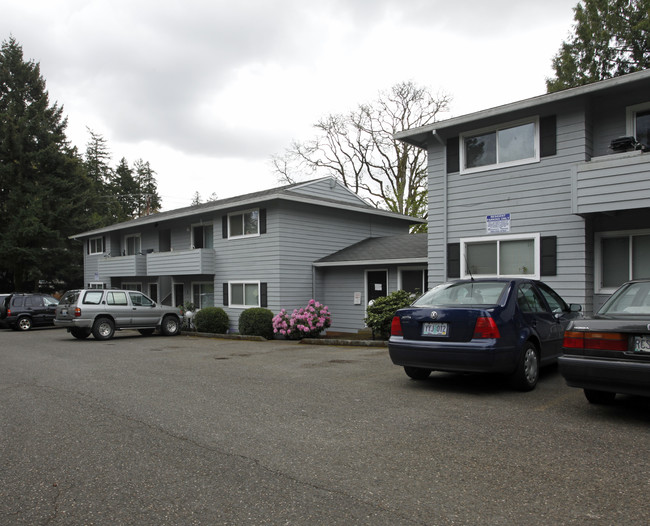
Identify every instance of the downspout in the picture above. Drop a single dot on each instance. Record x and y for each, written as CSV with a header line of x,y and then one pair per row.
x,y
442,143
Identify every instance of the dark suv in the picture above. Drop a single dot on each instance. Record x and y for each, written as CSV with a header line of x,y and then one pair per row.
x,y
24,311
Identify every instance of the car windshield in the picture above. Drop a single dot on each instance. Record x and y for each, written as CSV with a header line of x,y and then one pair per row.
x,y
463,293
632,298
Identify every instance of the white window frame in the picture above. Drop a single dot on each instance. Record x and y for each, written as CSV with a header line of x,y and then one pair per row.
x,y
93,249
631,112
126,244
244,282
496,129
192,227
598,256
420,268
210,283
96,285
243,213
536,238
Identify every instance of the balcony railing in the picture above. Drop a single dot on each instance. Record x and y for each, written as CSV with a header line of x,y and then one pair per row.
x,y
123,266
612,182
181,262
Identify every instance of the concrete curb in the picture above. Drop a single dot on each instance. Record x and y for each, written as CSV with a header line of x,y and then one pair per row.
x,y
306,341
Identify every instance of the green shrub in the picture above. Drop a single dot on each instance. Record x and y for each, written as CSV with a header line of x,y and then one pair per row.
x,y
382,310
256,322
211,319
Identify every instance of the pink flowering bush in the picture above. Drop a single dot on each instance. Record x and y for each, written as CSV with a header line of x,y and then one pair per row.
x,y
308,322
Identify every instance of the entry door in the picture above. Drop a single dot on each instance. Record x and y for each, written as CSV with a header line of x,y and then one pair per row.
x,y
377,284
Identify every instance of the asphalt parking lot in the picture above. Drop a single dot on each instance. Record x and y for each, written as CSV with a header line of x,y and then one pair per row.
x,y
185,430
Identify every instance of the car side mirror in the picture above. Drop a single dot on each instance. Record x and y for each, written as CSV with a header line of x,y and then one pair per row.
x,y
575,307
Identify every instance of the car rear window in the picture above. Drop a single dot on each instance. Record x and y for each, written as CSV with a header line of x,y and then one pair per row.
x,y
633,298
70,297
93,297
465,293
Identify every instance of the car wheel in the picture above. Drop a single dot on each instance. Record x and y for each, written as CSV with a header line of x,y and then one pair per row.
x,y
103,329
417,373
24,323
146,332
527,373
599,397
171,325
80,334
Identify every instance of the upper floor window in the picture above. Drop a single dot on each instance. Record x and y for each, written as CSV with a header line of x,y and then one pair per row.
x,y
508,145
202,236
638,123
96,245
244,224
511,255
132,244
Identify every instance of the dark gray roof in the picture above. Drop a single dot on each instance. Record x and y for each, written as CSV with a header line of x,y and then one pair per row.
x,y
421,136
406,248
283,192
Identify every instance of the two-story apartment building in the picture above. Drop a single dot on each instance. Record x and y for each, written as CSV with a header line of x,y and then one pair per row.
x,y
258,250
556,187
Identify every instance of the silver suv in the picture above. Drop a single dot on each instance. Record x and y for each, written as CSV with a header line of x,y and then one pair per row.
x,y
103,311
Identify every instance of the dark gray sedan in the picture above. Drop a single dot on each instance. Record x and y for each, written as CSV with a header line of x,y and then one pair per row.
x,y
610,353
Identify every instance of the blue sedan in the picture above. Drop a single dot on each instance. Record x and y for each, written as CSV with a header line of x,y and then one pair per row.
x,y
499,325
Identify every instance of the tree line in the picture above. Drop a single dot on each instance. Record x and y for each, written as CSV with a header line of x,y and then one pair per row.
x,y
50,191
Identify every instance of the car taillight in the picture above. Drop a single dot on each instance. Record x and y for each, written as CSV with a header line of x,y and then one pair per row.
x,y
596,341
486,327
77,312
396,327
8,312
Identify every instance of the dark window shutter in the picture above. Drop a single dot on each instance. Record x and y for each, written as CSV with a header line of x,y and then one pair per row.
x,y
453,155
224,227
104,244
225,295
262,220
453,260
264,301
547,136
88,246
548,254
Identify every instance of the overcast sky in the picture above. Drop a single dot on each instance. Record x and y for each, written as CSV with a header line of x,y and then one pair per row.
x,y
207,90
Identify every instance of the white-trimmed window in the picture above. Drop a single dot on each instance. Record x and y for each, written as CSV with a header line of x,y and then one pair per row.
x,y
619,257
203,294
96,245
132,244
495,256
96,285
638,123
412,279
244,294
243,224
511,144
203,236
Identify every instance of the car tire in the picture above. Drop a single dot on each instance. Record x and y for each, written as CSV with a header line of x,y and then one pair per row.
x,y
417,373
24,323
80,334
599,397
103,329
171,325
146,332
527,373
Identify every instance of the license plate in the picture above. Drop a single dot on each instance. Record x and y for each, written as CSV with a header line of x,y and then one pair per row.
x,y
434,329
64,312
641,344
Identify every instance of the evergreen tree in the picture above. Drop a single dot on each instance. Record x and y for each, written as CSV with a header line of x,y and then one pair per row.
x,y
149,201
125,190
44,192
610,38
